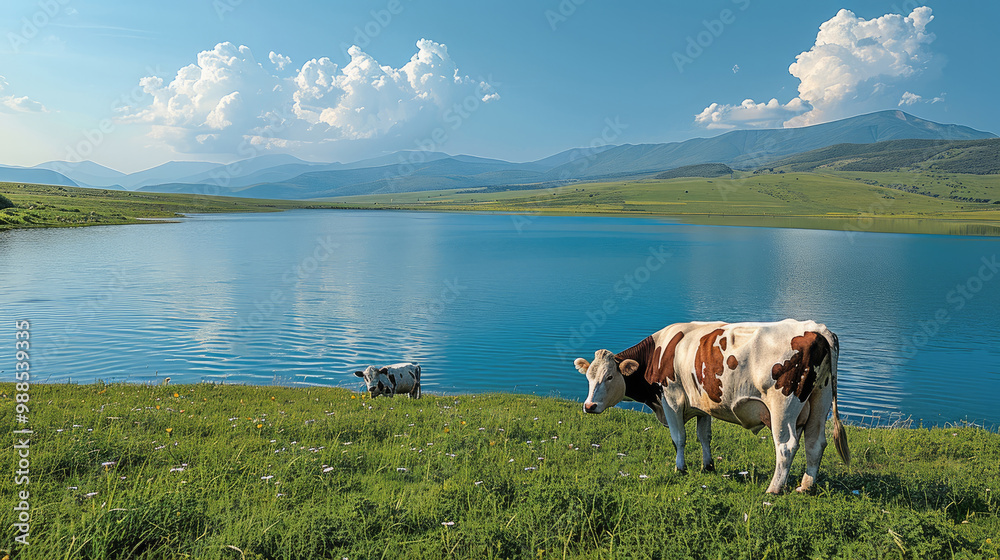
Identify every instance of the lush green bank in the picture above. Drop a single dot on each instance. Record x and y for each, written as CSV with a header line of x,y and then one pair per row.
x,y
53,206
897,202
208,471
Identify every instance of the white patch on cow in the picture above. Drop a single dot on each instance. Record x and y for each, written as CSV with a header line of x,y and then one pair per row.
x,y
606,378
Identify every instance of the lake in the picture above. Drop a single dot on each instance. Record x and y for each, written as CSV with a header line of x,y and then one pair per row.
x,y
494,302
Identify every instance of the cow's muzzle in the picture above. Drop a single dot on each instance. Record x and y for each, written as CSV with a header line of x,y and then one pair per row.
x,y
591,408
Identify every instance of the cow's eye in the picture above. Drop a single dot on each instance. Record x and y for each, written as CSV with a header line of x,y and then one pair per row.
x,y
610,376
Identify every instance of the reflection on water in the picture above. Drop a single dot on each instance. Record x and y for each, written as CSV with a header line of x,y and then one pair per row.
x,y
308,297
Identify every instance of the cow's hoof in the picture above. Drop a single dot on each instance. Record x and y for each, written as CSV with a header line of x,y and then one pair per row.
x,y
680,471
709,467
802,490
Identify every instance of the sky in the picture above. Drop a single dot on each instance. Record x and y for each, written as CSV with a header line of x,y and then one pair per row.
x,y
131,85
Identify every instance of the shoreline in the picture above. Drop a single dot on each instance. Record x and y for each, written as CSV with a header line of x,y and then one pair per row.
x,y
51,207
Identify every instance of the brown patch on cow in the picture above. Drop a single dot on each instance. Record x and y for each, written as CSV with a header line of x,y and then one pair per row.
x,y
732,362
708,365
765,417
798,373
722,343
661,368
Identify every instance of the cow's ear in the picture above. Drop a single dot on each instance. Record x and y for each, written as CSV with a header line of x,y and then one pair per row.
x,y
359,373
628,367
581,365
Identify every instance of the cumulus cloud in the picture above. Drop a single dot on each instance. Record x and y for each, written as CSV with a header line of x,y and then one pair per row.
x,y
909,99
227,99
18,104
750,114
853,61
280,61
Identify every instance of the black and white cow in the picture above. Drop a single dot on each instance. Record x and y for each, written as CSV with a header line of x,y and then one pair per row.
x,y
781,375
392,380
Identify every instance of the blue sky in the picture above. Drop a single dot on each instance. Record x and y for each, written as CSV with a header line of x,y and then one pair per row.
x,y
134,84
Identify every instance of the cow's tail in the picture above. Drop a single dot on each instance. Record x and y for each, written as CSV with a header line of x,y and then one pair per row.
x,y
839,433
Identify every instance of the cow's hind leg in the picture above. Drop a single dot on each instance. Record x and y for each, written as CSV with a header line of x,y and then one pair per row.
x,y
786,442
415,393
814,436
705,437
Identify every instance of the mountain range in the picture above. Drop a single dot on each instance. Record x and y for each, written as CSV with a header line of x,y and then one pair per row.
x,y
287,177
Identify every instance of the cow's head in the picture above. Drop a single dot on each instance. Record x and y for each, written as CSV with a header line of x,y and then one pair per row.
x,y
377,380
606,378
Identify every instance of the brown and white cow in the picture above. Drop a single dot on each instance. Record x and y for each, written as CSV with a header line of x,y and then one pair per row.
x,y
781,375
392,380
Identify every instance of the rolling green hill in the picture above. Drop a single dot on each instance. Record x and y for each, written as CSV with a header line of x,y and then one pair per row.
x,y
978,157
893,202
700,170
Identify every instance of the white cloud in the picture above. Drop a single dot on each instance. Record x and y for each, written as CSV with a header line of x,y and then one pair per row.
x,y
227,100
750,114
18,104
280,61
853,62
909,99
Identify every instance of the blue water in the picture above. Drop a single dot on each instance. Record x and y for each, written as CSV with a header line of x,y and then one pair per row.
x,y
493,302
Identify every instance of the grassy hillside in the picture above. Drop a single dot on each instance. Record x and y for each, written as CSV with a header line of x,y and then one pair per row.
x,y
905,202
233,472
978,157
700,170
54,206
900,202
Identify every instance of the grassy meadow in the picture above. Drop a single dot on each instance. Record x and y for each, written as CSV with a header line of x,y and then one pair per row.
x,y
248,472
54,206
901,202
852,201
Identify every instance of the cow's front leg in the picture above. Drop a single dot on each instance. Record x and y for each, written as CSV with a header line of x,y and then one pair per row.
x,y
786,442
705,437
675,421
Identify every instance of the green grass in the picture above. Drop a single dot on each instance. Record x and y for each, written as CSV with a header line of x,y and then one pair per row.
x,y
902,202
54,206
218,471
839,201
